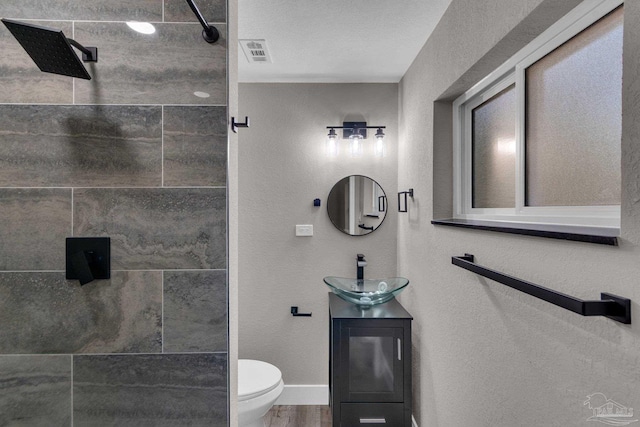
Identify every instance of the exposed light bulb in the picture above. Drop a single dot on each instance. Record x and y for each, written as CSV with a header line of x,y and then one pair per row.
x,y
379,147
355,145
332,144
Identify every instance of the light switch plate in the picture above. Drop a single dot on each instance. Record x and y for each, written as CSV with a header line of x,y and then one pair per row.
x,y
304,230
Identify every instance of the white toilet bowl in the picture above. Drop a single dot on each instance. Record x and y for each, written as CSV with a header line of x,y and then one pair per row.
x,y
259,386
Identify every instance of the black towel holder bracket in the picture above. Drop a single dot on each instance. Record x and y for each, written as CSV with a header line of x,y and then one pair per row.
x,y
294,312
612,306
405,194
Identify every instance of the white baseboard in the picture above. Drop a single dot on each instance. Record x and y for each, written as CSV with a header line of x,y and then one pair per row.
x,y
310,395
304,395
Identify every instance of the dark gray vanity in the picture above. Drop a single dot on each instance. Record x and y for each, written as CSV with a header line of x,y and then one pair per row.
x,y
369,364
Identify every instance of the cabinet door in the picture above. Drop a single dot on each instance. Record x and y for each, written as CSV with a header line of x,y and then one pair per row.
x,y
372,364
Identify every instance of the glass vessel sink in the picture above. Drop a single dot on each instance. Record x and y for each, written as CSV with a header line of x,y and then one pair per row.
x,y
366,292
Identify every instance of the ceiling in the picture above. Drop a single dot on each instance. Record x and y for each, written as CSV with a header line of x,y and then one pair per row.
x,y
337,41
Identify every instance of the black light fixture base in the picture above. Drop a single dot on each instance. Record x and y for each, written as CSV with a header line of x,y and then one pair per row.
x,y
349,127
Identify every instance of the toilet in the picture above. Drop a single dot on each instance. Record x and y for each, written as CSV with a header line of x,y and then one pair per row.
x,y
259,386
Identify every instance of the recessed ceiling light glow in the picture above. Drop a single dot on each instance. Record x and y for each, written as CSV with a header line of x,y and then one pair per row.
x,y
201,94
142,27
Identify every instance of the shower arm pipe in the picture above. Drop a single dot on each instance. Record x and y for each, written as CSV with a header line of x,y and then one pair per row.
x,y
210,33
612,306
89,54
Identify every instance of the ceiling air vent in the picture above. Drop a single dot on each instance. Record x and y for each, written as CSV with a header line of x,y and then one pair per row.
x,y
255,50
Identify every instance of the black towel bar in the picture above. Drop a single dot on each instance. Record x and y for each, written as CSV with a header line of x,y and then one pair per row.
x,y
609,305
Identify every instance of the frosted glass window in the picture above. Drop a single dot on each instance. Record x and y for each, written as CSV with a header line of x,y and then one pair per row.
x,y
371,364
494,147
558,104
573,122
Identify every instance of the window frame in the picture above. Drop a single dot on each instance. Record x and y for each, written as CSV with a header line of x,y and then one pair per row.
x,y
513,72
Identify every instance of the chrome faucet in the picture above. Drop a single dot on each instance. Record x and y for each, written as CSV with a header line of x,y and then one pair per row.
x,y
360,263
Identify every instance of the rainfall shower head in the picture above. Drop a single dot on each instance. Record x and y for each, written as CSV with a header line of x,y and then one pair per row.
x,y
51,50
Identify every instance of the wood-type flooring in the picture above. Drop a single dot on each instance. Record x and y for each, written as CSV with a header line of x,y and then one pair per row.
x,y
298,416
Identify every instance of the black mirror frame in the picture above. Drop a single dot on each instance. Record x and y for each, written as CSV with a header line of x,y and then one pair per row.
x,y
341,229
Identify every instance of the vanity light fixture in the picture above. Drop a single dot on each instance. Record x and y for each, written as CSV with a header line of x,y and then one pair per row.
x,y
356,133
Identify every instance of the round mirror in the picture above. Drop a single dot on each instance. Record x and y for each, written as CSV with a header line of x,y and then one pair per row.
x,y
357,205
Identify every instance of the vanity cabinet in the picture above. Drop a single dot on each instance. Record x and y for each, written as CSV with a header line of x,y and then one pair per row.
x,y
369,364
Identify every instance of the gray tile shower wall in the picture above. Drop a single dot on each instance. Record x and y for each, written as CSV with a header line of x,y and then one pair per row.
x,y
46,380
178,11
34,225
121,315
150,390
166,67
80,146
135,155
195,146
163,228
195,314
92,10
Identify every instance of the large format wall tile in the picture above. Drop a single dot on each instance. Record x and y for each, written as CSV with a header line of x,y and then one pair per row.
x,y
48,146
166,67
34,225
20,78
167,228
91,10
44,313
195,146
150,390
179,11
195,311
35,391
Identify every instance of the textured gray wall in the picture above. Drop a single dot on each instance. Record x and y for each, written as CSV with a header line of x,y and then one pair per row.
x,y
131,154
484,354
283,168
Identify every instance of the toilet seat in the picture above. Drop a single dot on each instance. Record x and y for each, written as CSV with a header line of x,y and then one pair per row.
x,y
256,378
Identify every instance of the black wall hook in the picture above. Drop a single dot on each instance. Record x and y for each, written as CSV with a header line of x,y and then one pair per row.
x,y
294,312
235,125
